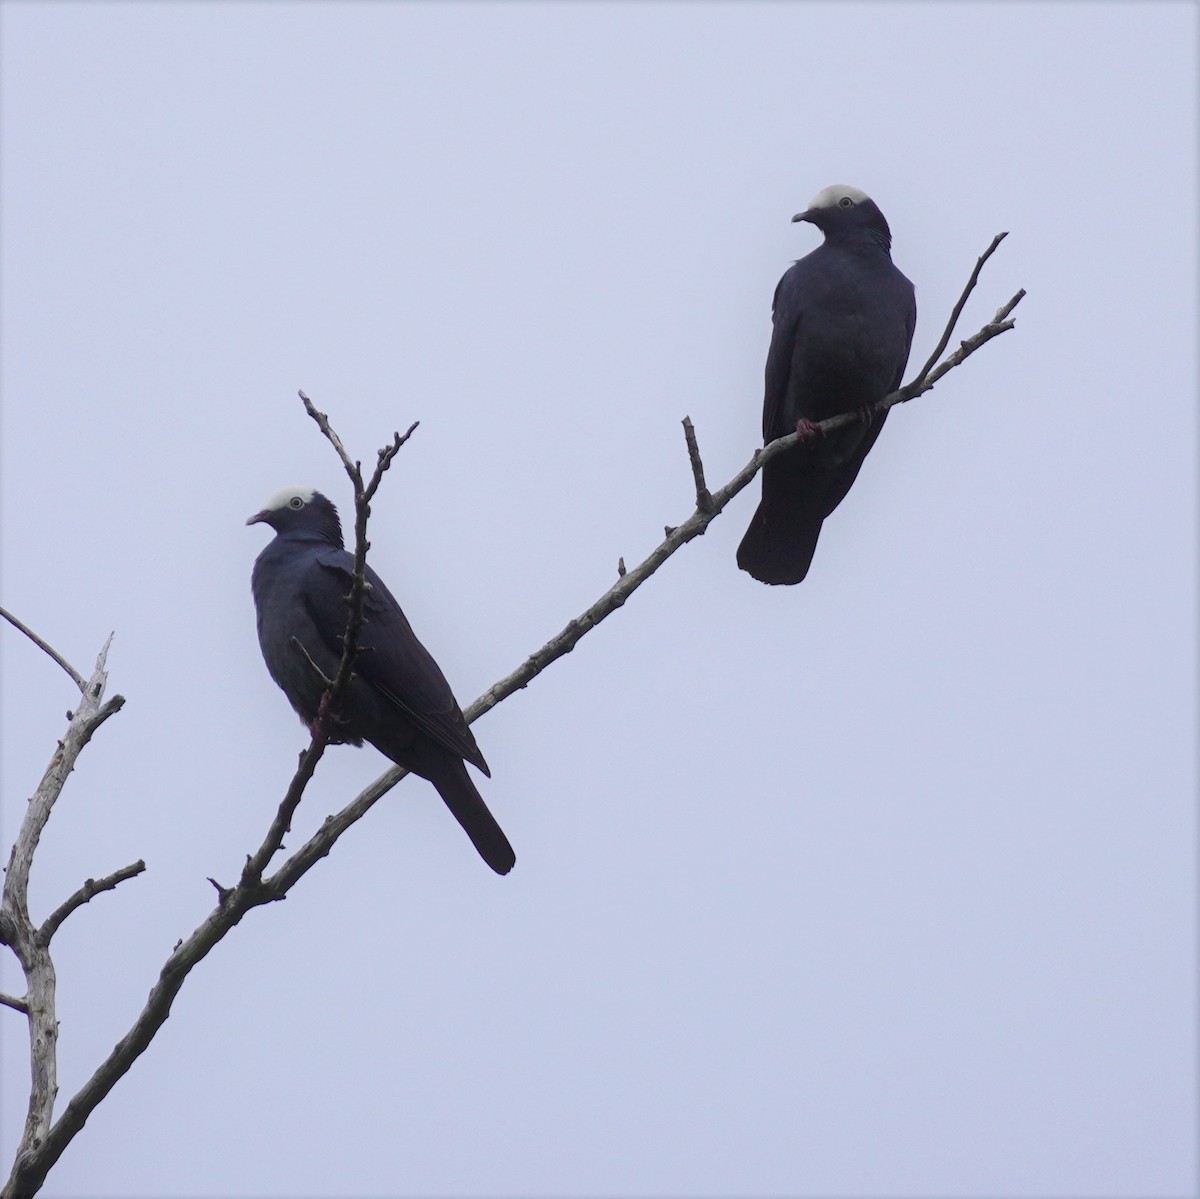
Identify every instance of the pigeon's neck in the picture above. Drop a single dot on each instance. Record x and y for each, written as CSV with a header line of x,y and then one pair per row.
x,y
864,241
882,239
325,534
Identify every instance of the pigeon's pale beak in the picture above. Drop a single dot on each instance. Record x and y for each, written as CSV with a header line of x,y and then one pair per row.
x,y
806,215
259,518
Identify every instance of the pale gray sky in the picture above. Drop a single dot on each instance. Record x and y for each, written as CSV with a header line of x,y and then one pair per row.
x,y
881,885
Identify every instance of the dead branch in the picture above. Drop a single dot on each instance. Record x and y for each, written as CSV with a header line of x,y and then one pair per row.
x,y
956,312
44,1142
90,888
17,930
76,677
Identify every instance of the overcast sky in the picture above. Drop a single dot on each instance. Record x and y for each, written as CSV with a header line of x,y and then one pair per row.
x,y
879,885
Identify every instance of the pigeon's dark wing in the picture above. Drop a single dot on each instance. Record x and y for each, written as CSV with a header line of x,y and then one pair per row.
x,y
835,346
392,661
785,321
910,327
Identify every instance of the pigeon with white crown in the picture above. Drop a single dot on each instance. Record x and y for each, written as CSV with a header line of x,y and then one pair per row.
x,y
844,317
397,699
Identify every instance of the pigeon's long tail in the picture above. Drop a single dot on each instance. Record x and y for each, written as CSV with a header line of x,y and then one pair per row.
x,y
800,489
779,544
777,550
455,787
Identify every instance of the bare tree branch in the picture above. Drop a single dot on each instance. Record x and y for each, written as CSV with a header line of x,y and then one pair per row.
x,y
90,888
944,340
704,515
76,677
17,1005
17,929
44,1142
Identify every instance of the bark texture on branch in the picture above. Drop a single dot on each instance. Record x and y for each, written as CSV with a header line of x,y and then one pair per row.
x,y
31,944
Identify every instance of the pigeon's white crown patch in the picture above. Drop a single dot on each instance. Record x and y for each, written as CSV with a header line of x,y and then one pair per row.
x,y
829,197
285,495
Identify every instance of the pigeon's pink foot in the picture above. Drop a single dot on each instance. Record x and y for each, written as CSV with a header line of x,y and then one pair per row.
x,y
326,719
809,430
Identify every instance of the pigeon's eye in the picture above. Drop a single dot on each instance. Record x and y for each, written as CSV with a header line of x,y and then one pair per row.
x,y
295,503
845,202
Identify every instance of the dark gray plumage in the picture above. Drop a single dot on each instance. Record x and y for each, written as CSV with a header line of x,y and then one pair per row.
x,y
398,699
843,324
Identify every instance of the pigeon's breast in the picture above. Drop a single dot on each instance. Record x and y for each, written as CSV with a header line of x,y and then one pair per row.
x,y
285,623
851,341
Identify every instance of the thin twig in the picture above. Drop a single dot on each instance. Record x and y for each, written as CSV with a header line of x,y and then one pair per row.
x,y
326,428
962,300
299,645
1000,323
76,677
17,1005
92,887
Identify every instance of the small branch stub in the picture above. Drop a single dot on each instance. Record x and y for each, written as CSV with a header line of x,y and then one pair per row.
x,y
704,500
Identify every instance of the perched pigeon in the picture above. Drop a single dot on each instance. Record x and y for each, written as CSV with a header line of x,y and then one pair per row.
x,y
843,324
398,699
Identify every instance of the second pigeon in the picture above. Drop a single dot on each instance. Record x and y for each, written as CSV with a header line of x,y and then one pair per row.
x,y
843,324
